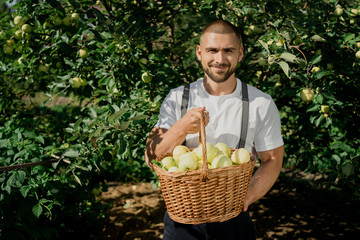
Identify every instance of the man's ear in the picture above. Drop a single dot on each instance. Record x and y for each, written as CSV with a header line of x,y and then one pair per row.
x,y
241,55
198,52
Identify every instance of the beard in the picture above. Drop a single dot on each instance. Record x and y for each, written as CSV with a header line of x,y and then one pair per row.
x,y
220,77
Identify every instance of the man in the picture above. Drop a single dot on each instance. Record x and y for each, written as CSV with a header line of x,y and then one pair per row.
x,y
219,96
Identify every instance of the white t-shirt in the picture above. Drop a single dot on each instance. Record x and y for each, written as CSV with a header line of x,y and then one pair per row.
x,y
264,129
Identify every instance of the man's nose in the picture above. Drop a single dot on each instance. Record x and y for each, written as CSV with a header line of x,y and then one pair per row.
x,y
219,57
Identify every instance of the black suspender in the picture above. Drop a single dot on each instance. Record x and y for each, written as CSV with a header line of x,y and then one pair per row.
x,y
184,103
245,111
245,115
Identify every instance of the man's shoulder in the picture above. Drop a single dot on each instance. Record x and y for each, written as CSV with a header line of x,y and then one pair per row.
x,y
256,93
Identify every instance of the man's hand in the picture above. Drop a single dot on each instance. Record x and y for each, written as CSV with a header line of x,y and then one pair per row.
x,y
161,141
190,123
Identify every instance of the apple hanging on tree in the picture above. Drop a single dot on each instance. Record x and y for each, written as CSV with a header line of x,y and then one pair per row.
x,y
307,94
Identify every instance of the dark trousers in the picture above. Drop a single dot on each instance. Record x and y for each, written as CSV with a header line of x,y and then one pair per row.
x,y
238,228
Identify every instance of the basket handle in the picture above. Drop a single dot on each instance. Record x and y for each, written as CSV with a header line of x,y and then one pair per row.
x,y
202,138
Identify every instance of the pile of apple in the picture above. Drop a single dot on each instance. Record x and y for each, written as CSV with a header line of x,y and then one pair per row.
x,y
218,155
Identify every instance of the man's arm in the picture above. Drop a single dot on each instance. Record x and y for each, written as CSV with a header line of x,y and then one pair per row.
x,y
161,141
265,176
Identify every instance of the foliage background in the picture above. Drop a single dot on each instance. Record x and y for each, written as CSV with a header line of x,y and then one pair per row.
x,y
99,131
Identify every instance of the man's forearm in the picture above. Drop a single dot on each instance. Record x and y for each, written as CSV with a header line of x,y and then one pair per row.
x,y
265,176
162,141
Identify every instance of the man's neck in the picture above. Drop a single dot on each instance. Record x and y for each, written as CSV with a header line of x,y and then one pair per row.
x,y
220,89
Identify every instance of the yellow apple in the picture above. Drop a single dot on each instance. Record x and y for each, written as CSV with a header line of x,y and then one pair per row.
x,y
146,77
315,69
358,44
240,156
338,11
307,94
187,162
221,161
178,151
83,52
173,169
325,108
211,152
19,21
168,162
357,54
223,148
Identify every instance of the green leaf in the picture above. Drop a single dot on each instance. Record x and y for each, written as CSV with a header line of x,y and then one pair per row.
x,y
316,59
24,190
114,117
322,73
318,120
349,37
77,179
77,124
37,210
313,108
71,153
285,67
265,45
139,117
39,139
288,57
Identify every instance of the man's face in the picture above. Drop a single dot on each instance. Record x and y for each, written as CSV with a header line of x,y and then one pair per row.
x,y
219,55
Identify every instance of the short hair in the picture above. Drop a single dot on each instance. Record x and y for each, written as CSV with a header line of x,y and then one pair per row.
x,y
221,26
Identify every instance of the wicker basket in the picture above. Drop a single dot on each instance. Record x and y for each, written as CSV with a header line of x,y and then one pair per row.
x,y
205,195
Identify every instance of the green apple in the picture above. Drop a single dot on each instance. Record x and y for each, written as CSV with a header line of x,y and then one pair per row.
x,y
8,49
10,42
338,11
26,28
173,169
262,62
83,52
211,152
67,21
19,21
325,108
83,82
76,82
307,94
221,161
223,148
315,69
168,162
178,151
187,162
357,54
18,34
44,68
240,156
146,77
75,16
57,20
358,44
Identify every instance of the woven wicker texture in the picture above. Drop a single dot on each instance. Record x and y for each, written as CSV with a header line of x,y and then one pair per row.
x,y
205,195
